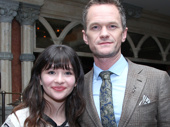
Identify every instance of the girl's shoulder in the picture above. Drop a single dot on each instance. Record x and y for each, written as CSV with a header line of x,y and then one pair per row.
x,y
16,119
22,112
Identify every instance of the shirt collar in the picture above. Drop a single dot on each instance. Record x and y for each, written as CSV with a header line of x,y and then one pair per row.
x,y
117,68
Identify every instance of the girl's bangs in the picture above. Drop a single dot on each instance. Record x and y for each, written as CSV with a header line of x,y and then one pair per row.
x,y
58,61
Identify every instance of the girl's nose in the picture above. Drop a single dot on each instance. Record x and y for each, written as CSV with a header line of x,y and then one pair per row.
x,y
59,78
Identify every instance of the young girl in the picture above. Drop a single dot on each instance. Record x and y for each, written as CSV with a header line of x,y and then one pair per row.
x,y
53,96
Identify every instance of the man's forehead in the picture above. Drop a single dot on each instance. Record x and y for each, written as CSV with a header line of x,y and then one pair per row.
x,y
102,10
103,14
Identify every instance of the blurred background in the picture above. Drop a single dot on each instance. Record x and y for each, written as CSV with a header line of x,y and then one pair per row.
x,y
29,26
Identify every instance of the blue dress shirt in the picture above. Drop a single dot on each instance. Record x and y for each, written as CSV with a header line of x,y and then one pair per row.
x,y
118,79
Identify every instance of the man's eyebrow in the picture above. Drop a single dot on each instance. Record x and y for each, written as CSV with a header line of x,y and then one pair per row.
x,y
94,23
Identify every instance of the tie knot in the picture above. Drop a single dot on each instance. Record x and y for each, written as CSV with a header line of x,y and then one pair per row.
x,y
105,75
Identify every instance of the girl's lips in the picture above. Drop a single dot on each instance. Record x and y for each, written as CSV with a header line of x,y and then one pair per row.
x,y
59,88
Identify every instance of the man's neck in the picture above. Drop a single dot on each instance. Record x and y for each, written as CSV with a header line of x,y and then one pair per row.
x,y
106,63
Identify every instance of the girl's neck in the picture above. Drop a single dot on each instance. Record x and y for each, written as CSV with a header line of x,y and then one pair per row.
x,y
56,112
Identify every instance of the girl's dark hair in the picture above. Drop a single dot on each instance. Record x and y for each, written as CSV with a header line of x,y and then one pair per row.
x,y
60,56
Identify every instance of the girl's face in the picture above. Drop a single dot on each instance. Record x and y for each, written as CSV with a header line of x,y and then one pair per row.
x,y
57,83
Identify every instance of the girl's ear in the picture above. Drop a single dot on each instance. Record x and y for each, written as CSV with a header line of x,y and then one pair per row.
x,y
75,84
40,81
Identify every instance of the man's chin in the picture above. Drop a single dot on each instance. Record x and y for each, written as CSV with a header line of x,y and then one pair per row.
x,y
104,55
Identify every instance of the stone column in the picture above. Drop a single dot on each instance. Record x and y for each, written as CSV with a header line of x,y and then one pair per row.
x,y
27,15
8,10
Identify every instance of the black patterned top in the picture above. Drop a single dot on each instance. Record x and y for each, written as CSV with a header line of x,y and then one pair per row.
x,y
50,121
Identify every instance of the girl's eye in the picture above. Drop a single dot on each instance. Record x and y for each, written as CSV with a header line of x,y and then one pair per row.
x,y
68,73
51,72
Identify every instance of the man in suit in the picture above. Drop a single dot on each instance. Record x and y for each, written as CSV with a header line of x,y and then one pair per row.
x,y
141,94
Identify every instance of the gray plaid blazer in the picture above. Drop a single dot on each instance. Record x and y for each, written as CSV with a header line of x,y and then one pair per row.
x,y
146,102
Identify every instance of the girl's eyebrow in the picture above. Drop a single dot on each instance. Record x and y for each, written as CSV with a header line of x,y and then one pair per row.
x,y
70,68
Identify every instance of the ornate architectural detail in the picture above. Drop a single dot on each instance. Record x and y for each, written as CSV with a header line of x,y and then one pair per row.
x,y
28,14
6,56
8,10
132,11
27,57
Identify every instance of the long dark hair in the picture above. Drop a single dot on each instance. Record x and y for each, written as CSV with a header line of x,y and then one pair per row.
x,y
58,56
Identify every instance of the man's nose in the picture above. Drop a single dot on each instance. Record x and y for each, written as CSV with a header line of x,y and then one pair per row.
x,y
104,34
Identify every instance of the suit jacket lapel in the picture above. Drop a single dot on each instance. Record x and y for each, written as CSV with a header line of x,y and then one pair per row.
x,y
90,106
134,86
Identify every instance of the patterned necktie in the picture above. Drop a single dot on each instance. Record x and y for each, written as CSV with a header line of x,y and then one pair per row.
x,y
106,101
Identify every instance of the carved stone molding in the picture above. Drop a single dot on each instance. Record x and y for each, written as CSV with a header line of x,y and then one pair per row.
x,y
8,10
132,11
28,14
33,2
6,56
27,57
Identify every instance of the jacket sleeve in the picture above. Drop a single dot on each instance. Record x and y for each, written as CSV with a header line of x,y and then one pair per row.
x,y
164,102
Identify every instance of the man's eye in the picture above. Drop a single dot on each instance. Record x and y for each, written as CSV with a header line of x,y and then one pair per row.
x,y
51,72
95,28
112,26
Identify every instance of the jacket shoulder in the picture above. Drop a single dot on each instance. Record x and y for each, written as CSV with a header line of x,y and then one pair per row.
x,y
144,69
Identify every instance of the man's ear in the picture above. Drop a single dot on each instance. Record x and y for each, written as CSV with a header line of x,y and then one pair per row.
x,y
85,37
124,34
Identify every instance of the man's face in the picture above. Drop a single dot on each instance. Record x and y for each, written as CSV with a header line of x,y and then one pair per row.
x,y
104,33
